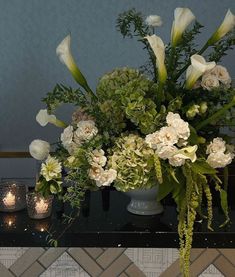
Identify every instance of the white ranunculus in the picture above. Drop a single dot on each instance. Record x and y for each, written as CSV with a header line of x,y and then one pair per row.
x,y
43,118
209,82
166,151
181,127
197,68
227,25
221,74
39,149
219,159
86,130
63,51
158,48
98,157
51,169
153,21
217,145
182,18
106,178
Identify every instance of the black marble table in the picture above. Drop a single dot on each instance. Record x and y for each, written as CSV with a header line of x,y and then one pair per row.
x,y
105,222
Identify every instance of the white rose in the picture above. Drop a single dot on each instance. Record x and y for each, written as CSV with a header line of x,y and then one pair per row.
x,y
166,152
39,149
107,177
219,159
95,172
221,74
98,157
86,130
153,20
217,145
209,82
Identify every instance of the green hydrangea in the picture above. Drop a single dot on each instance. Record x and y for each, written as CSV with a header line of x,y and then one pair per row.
x,y
125,98
134,162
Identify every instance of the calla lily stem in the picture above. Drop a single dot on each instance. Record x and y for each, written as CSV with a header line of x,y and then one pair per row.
x,y
216,115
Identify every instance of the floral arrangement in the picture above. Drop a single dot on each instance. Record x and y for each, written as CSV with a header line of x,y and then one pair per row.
x,y
160,124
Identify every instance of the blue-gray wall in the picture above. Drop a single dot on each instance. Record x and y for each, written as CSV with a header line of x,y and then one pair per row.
x,y
30,30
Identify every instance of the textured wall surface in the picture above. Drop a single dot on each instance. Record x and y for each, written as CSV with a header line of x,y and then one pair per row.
x,y
31,30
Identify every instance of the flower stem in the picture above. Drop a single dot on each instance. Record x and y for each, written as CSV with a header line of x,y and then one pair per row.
x,y
216,115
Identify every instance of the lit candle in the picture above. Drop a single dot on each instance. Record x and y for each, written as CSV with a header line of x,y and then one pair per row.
x,y
9,200
41,207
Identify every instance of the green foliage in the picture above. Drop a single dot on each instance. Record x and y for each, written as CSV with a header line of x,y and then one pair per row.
x,y
47,188
63,95
222,46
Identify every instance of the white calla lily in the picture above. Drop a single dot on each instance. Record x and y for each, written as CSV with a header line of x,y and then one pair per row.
x,y
158,48
182,18
197,68
187,153
43,118
63,51
226,26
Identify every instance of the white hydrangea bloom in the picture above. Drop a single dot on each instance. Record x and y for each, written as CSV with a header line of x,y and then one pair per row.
x,y
219,159
217,145
86,130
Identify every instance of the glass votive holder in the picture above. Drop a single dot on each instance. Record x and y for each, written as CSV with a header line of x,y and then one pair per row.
x,y
39,207
12,196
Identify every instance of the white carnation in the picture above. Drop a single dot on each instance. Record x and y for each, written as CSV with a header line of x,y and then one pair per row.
x,y
166,152
217,145
167,136
67,136
39,149
86,130
176,161
209,81
153,20
219,159
181,127
152,140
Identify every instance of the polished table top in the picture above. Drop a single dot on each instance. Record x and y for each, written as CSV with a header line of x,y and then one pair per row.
x,y
105,222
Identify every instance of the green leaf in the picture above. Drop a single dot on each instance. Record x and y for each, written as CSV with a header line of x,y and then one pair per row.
x,y
202,167
224,205
164,189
